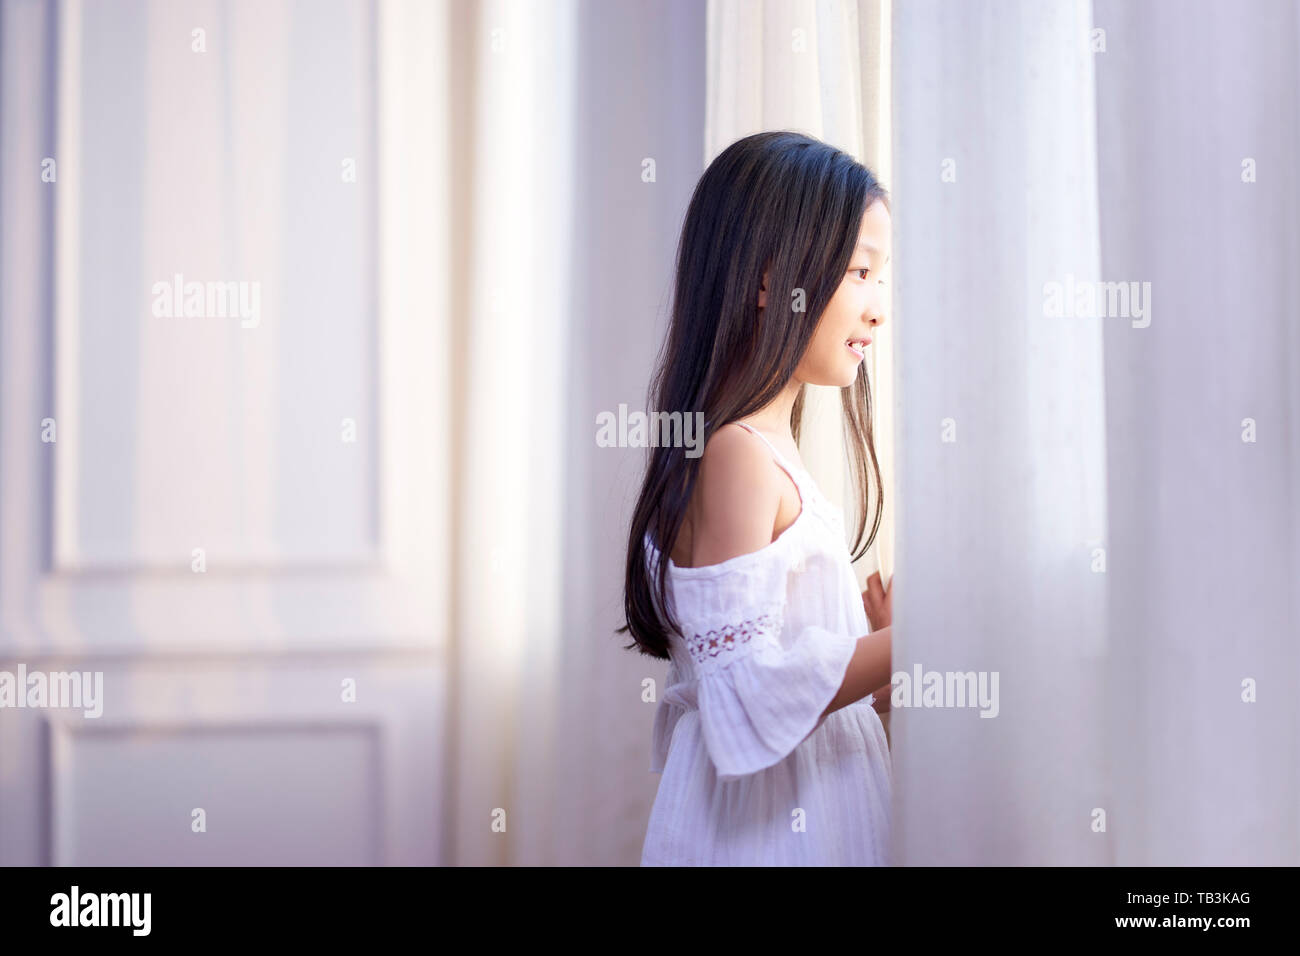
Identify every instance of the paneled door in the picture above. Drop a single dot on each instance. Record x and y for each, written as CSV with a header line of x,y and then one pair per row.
x,y
220,495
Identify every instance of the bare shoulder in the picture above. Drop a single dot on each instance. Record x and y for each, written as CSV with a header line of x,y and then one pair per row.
x,y
737,496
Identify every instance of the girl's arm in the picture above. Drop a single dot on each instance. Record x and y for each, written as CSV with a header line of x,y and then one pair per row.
x,y
869,669
882,698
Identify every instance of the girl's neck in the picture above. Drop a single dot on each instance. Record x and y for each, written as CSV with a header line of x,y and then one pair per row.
x,y
774,417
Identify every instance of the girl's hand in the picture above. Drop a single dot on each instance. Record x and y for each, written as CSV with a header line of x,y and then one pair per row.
x,y
879,602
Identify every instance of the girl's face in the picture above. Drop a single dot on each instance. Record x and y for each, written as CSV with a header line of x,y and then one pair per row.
x,y
845,330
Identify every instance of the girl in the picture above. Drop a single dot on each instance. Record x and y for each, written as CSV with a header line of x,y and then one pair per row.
x,y
770,748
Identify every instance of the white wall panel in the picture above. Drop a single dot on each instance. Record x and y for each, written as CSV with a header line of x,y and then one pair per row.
x,y
325,559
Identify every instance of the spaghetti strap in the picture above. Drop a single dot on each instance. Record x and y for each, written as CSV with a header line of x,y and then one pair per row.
x,y
796,474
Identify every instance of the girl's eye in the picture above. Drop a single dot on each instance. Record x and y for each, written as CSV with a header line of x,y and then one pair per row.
x,y
862,272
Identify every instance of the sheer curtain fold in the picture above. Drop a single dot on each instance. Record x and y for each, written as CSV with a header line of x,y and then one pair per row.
x,y
1003,450
1085,512
479,137
509,613
543,266
1199,121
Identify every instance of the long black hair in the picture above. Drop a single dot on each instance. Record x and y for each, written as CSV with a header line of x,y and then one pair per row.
x,y
779,201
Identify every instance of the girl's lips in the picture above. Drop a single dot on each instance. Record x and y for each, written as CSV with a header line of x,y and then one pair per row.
x,y
858,347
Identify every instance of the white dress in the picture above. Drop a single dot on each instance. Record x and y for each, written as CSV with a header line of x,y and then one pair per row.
x,y
750,777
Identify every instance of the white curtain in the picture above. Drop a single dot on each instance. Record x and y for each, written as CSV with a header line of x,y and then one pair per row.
x,y
1097,491
1199,124
1085,509
821,68
502,183
474,187
522,225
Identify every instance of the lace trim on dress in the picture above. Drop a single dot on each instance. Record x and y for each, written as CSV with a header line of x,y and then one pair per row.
x,y
719,647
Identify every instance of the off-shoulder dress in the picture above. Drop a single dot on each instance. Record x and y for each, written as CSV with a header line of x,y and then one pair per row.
x,y
750,773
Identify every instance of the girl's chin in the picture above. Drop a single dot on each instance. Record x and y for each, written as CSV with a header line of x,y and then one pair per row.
x,y
842,380
850,375
842,376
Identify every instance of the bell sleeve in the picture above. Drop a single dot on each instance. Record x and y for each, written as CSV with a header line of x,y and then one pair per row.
x,y
762,688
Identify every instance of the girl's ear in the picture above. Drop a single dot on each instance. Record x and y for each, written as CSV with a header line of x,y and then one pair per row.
x,y
762,292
